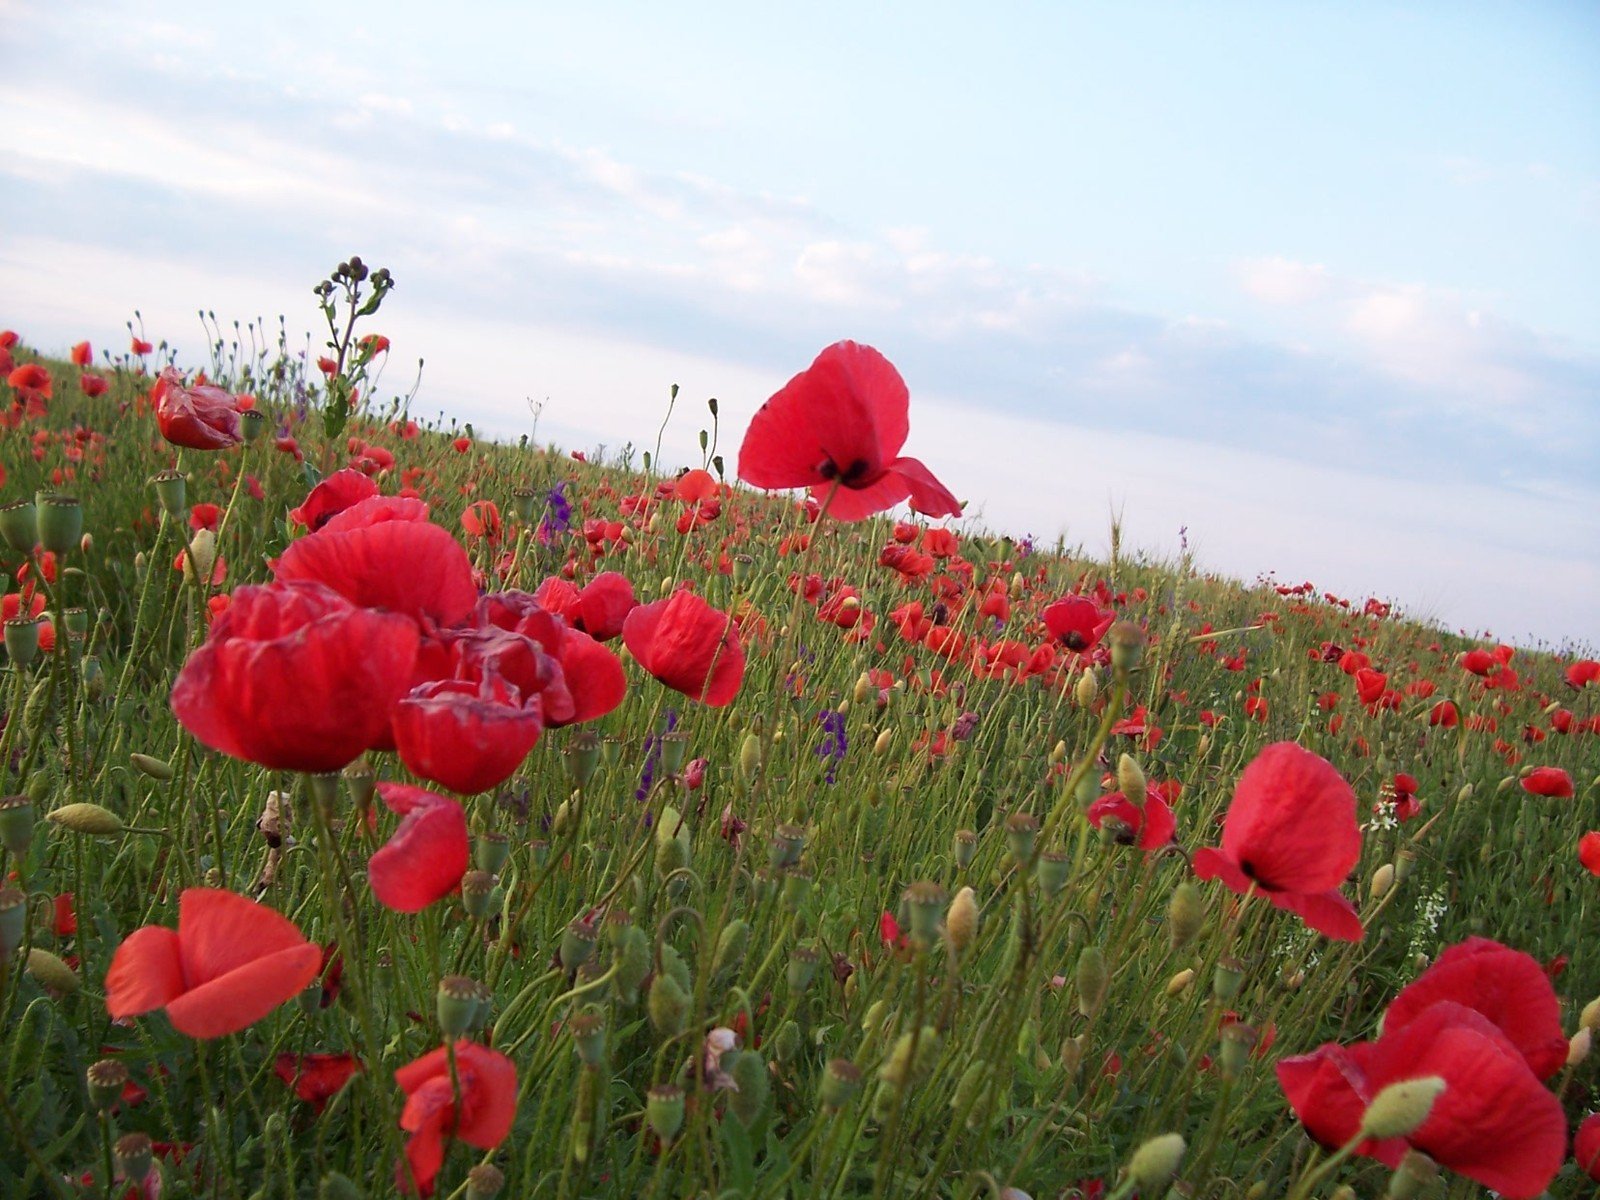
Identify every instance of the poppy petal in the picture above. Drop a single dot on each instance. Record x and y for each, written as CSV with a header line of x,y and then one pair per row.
x,y
231,1002
146,973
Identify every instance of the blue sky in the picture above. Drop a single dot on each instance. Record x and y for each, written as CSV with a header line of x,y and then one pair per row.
x,y
1317,282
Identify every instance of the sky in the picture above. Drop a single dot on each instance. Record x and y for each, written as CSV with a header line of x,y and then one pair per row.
x,y
1314,289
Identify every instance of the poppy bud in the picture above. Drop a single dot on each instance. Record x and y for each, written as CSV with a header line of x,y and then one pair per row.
x,y
1130,780
1156,1162
1086,690
334,1186
171,492
970,1090
1094,979
1415,1172
863,688
880,746
589,1035
841,1080
50,972
16,824
490,851
1402,1107
1578,1046
1071,1057
1227,980
1058,753
966,846
19,525
668,1005
106,1079
577,944
961,922
60,521
1019,585
752,1086
913,1053
86,818
456,1003
1127,645
788,843
802,967
664,1110
484,1182
924,901
750,756
731,945
478,893
1186,914
582,756
1590,1018
153,767
133,1156
22,640
630,948
787,1042
1180,982
200,558
1382,881
1021,830
1052,869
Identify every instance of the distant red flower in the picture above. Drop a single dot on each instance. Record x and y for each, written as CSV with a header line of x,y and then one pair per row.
x,y
1589,852
295,677
140,347
599,608
316,1078
481,518
693,487
1479,662
30,377
689,646
1077,622
331,497
1291,833
1583,672
843,420
1586,1146
1149,828
230,962
66,916
1444,714
428,854
93,385
82,354
204,515
384,553
488,1089
201,417
462,444
1548,781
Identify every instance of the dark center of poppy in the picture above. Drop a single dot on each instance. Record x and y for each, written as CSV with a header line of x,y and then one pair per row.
x,y
1075,640
853,476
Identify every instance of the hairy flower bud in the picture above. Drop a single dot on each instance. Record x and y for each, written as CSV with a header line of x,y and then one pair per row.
x,y
1402,1107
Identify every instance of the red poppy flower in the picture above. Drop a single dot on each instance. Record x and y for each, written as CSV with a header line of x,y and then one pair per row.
x,y
316,1078
1291,832
843,421
230,962
482,519
30,377
599,608
592,675
331,497
1589,852
140,347
1586,1146
93,385
1494,1123
694,486
81,354
1548,781
1148,828
295,677
1583,672
488,1083
1077,622
428,854
384,553
689,646
201,417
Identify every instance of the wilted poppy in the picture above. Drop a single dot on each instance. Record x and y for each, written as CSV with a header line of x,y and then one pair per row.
x,y
201,417
841,422
384,553
316,1078
230,962
488,1104
331,497
427,855
1291,833
294,677
1548,781
689,646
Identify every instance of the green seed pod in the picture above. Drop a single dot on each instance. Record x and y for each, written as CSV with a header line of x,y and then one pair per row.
x,y
582,756
796,888
478,893
667,1004
22,640
490,851
60,521
1094,980
153,767
577,944
1127,646
17,819
787,845
19,525
674,746
664,1110
966,848
750,1076
925,902
841,1080
589,1035
86,818
1052,868
334,1186
363,784
105,1080
1236,1041
484,1182
1186,915
134,1156
1227,980
171,491
1155,1163
456,1002
1021,831
252,424
801,968
731,945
